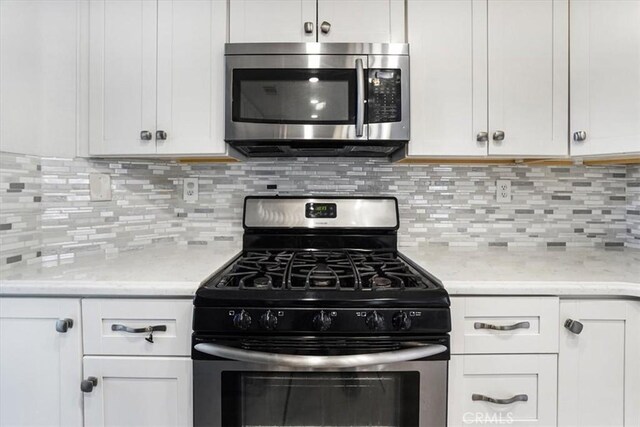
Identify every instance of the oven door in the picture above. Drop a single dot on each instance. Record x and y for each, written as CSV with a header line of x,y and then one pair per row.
x,y
295,97
301,390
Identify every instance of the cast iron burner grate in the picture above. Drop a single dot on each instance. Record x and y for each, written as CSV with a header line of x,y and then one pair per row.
x,y
322,270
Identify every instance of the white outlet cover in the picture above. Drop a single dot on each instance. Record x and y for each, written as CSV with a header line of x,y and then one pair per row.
x,y
190,190
100,187
503,191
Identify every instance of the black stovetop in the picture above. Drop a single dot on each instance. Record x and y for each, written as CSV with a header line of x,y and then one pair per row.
x,y
331,278
321,270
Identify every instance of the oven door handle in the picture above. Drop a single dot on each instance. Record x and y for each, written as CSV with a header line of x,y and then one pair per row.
x,y
321,362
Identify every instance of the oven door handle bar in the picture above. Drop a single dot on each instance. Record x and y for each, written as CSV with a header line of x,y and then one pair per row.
x,y
321,362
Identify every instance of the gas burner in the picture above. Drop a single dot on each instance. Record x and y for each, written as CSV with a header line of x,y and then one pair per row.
x,y
257,270
321,270
262,282
381,282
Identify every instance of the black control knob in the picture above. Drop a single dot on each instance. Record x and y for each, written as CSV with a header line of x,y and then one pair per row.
x,y
374,321
401,321
242,320
268,320
322,321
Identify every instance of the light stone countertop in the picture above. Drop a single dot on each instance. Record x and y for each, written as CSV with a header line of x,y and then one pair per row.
x,y
161,271
177,271
562,272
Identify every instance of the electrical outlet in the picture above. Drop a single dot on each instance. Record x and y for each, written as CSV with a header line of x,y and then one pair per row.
x,y
190,193
99,187
503,191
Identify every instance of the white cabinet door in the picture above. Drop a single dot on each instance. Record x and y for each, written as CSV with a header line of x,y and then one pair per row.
x,y
139,392
605,76
122,76
524,387
528,77
361,21
191,37
38,50
448,77
271,21
40,368
599,369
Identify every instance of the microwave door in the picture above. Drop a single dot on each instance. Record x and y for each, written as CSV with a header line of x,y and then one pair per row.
x,y
296,97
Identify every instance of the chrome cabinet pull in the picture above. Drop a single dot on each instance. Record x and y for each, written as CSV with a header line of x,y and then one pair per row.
x,y
63,325
574,326
145,135
516,398
580,136
161,135
321,362
88,384
498,135
520,325
325,27
308,27
147,329
360,98
482,136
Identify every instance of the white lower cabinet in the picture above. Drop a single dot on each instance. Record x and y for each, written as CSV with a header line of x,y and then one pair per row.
x,y
139,391
40,362
503,389
599,368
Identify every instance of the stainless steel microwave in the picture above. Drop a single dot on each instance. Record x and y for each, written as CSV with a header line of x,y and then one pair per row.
x,y
317,99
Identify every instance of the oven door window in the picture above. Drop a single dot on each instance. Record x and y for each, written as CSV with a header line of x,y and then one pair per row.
x,y
320,398
294,96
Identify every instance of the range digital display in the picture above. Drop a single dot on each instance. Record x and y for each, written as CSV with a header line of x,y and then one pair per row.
x,y
320,210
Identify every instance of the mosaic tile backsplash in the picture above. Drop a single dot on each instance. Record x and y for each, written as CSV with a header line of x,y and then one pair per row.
x,y
633,207
47,212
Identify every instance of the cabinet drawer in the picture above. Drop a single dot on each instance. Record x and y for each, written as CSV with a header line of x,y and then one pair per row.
x,y
525,387
100,316
504,325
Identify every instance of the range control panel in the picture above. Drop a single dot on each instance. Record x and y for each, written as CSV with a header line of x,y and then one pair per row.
x,y
384,98
330,320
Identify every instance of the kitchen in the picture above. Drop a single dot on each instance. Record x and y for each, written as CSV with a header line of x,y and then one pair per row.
x,y
319,212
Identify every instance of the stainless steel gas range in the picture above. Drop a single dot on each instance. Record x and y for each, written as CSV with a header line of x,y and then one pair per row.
x,y
320,322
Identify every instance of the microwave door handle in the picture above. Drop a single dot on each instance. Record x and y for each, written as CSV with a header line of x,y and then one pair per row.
x,y
359,98
321,362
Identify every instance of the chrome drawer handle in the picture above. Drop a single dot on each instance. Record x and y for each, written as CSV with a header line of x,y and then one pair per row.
x,y
516,398
147,329
520,325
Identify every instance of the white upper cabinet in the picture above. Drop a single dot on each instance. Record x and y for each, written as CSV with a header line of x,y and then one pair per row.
x,y
272,21
122,56
40,363
488,77
191,37
352,21
361,21
528,77
157,77
448,77
38,77
605,77
599,368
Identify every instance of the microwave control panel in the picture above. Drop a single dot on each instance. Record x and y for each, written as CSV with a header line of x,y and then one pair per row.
x,y
384,101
